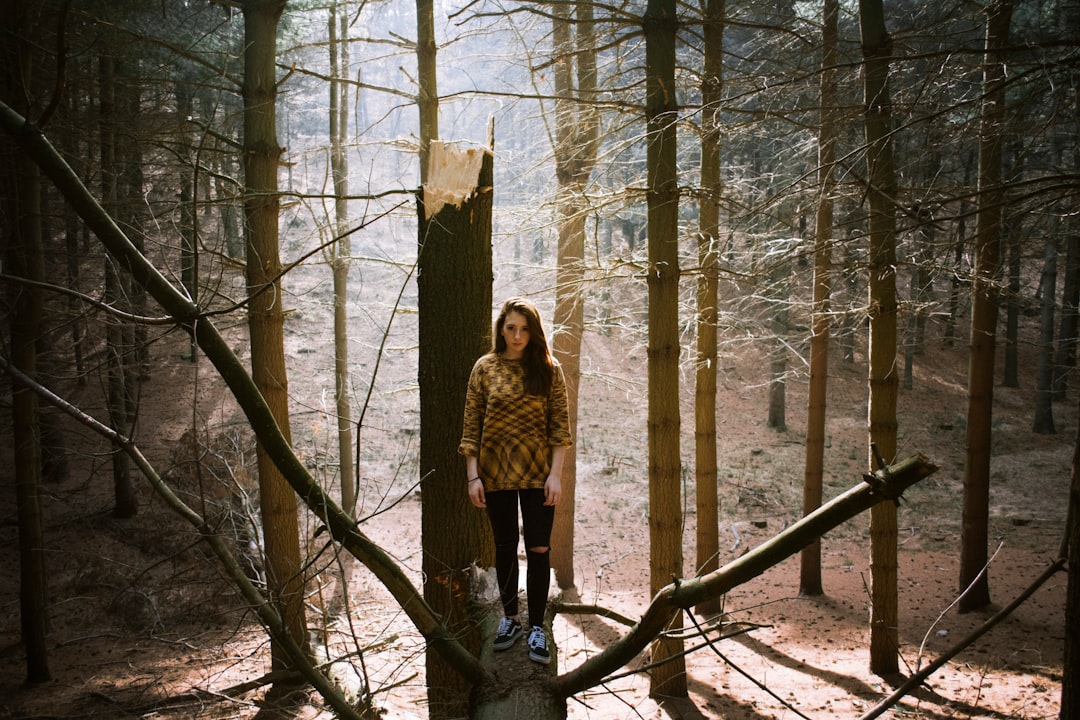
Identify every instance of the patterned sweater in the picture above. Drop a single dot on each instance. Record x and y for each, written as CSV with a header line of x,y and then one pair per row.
x,y
511,433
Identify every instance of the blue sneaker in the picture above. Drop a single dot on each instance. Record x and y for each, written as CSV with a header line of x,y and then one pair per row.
x,y
509,632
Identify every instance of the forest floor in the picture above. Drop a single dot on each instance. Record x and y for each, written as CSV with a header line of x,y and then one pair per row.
x,y
143,626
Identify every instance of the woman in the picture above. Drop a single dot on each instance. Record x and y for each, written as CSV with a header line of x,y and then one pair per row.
x,y
516,431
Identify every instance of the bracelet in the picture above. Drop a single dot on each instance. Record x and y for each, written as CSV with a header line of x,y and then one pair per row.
x,y
475,479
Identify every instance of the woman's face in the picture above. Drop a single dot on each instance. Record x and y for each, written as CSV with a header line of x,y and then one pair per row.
x,y
515,332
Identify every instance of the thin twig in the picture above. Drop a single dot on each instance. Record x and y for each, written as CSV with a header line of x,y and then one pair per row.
x,y
917,679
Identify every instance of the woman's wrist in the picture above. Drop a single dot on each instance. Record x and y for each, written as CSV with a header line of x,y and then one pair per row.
x,y
475,479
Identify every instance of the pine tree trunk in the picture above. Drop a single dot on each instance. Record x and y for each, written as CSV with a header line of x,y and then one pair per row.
x,y
569,317
1011,371
984,314
852,321
1043,422
810,559
266,318
454,262
133,217
24,258
1070,676
577,138
117,392
779,292
1065,360
707,500
188,215
341,250
884,380
22,254
665,463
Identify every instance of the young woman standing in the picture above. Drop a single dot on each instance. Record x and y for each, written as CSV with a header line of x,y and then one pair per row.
x,y
516,431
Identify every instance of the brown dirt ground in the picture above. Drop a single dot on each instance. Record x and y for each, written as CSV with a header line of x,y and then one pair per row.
x,y
139,615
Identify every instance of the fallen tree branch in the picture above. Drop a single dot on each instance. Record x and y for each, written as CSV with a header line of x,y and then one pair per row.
x,y
557,607
886,484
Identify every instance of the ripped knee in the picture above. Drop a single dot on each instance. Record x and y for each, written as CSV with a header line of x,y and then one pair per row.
x,y
539,549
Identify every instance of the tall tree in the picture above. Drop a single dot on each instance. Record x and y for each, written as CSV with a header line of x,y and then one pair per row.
x,y
119,381
665,465
810,559
884,378
974,533
1069,24
189,242
1070,676
454,261
20,230
266,316
1043,417
706,495
1065,357
778,292
577,138
339,251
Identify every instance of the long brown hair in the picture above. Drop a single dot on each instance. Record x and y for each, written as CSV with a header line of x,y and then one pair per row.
x,y
539,368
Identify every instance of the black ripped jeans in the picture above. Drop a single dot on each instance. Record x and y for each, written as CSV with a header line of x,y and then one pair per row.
x,y
536,521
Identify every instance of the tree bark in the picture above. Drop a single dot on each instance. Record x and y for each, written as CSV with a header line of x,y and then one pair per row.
x,y
266,318
577,138
23,257
131,185
665,464
1069,22
124,505
706,490
341,250
189,244
427,99
1065,358
884,380
1043,422
779,292
984,315
810,559
1010,375
454,262
1070,676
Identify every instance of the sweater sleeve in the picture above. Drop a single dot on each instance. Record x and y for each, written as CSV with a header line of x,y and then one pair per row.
x,y
475,405
558,426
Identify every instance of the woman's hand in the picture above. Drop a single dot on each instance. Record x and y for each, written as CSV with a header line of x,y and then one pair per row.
x,y
553,485
552,490
476,493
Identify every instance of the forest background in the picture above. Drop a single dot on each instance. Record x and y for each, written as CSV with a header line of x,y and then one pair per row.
x,y
153,108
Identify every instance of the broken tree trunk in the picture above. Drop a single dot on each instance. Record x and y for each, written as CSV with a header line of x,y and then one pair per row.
x,y
454,300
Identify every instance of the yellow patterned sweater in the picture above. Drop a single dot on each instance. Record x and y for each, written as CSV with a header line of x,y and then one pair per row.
x,y
511,433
